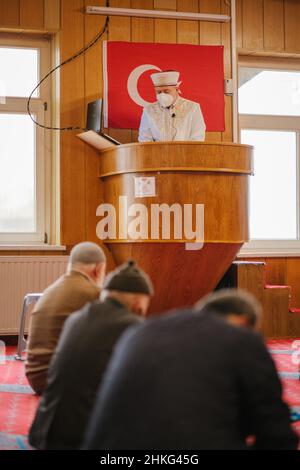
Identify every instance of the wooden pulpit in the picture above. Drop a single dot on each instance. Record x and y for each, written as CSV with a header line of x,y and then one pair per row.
x,y
185,173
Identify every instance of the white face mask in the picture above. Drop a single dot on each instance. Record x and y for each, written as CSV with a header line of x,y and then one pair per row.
x,y
165,99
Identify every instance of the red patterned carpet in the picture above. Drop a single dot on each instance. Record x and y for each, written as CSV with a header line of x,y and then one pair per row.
x,y
18,403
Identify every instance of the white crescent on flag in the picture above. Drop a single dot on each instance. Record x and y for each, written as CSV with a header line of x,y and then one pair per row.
x,y
133,81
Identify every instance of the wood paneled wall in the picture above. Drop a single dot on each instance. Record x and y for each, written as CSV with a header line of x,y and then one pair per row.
x,y
283,271
268,26
265,27
30,15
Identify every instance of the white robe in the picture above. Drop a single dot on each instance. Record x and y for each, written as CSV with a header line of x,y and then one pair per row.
x,y
187,123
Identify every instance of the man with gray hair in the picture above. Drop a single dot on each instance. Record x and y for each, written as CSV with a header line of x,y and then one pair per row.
x,y
80,285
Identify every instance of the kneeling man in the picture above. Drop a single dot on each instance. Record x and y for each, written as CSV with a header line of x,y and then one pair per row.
x,y
86,344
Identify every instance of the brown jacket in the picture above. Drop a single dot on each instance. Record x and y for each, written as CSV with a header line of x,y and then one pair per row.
x,y
68,294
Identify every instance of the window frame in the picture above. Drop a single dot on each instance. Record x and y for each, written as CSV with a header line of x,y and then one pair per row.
x,y
273,248
43,142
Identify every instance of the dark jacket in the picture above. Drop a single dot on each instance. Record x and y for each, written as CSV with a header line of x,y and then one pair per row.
x,y
75,373
188,381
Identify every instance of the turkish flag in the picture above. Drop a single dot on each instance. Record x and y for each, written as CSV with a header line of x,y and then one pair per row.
x,y
128,87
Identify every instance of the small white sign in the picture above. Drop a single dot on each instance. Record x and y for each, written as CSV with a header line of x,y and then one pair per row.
x,y
144,186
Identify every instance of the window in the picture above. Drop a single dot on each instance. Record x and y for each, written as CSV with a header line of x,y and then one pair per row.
x,y
273,209
269,107
269,92
25,148
26,60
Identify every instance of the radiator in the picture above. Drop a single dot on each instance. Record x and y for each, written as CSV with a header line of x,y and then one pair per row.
x,y
20,275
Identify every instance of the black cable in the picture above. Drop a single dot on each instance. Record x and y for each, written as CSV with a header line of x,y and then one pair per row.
x,y
73,57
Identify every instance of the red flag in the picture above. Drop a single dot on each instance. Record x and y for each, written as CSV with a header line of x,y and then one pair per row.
x,y
128,87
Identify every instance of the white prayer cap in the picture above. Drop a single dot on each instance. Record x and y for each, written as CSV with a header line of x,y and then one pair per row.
x,y
168,78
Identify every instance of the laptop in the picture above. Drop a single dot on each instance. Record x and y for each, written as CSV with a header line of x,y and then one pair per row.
x,y
94,120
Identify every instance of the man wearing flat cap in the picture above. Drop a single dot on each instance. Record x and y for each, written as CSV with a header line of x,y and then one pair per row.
x,y
171,117
84,349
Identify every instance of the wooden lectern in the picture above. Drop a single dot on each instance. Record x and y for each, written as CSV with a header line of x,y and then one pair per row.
x,y
213,174
182,173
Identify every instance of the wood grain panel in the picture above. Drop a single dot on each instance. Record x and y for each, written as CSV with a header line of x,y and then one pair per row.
x,y
275,316
10,13
268,26
52,15
188,31
142,29
227,135
180,277
293,280
184,176
73,175
134,135
177,156
276,271
93,90
210,34
239,23
294,325
32,14
283,271
250,276
226,40
253,37
165,4
165,30
275,321
119,26
120,30
292,21
273,25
